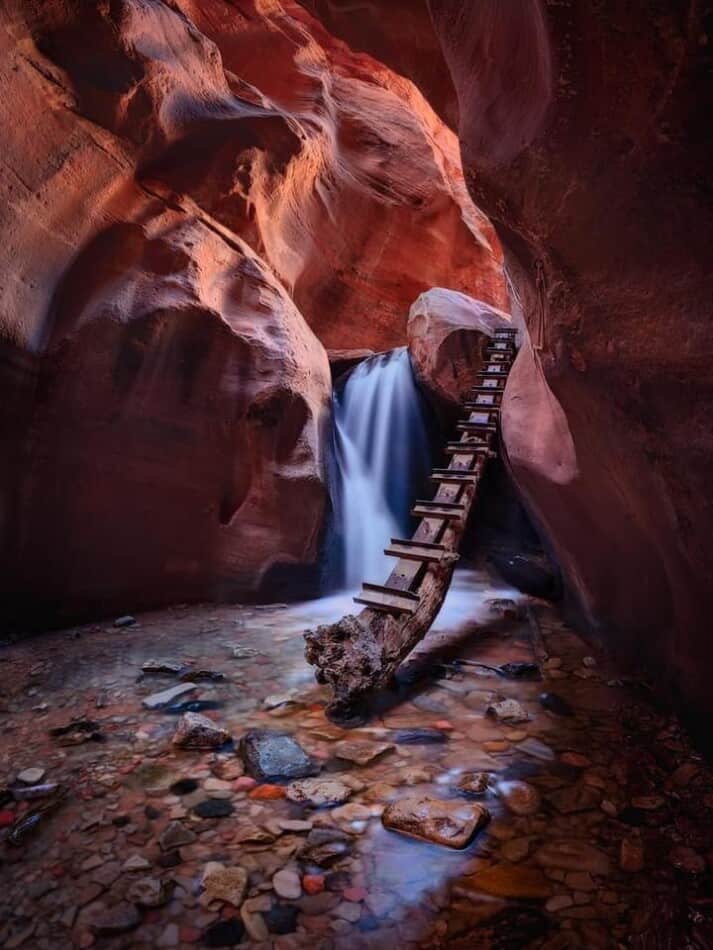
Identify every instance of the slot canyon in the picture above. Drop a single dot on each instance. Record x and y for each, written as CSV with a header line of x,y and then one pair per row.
x,y
355,416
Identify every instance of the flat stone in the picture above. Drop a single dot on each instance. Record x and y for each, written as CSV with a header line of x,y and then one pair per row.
x,y
116,920
318,792
474,783
537,749
519,797
225,884
150,892
361,752
449,823
273,757
126,621
169,936
572,855
213,808
135,862
648,802
576,798
254,921
558,903
510,880
348,911
194,731
508,710
175,835
158,667
167,696
287,884
31,776
324,846
423,736
631,855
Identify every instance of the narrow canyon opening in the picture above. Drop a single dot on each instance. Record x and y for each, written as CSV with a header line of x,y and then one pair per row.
x,y
355,474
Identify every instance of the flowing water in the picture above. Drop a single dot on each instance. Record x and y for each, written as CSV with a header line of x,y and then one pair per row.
x,y
382,454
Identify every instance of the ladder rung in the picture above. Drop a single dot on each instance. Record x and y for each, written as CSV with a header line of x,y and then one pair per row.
x,y
415,552
454,477
391,591
476,427
481,407
467,448
431,510
450,505
383,602
494,369
431,545
495,390
502,334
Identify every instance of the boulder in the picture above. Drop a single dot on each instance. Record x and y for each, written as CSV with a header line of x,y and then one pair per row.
x,y
447,336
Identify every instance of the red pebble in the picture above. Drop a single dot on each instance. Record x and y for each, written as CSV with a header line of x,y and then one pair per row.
x,y
189,935
244,783
58,871
444,725
355,894
268,792
6,818
313,883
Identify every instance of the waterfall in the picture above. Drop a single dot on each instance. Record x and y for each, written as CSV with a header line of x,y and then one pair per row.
x,y
382,454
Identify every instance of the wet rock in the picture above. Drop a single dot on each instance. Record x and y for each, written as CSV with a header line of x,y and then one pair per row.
x,y
507,880
685,773
572,855
169,859
287,884
175,835
324,846
224,933
225,884
117,920
135,862
531,574
648,802
202,676
516,849
150,892
537,749
194,731
422,736
318,792
686,859
555,704
213,808
77,731
519,671
631,855
162,668
361,753
281,919
450,823
576,798
184,786
313,883
560,902
508,710
169,936
167,696
191,705
273,757
31,776
519,797
126,621
474,783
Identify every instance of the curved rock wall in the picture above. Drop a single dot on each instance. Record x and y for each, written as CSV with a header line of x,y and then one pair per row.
x,y
187,187
585,134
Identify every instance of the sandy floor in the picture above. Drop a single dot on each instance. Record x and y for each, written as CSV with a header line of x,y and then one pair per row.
x,y
601,822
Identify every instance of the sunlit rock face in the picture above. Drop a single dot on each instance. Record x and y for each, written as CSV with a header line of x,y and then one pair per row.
x,y
187,188
448,333
586,139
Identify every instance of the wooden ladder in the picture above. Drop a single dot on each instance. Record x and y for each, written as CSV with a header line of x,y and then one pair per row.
x,y
443,518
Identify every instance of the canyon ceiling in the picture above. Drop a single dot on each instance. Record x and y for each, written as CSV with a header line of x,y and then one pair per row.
x,y
195,194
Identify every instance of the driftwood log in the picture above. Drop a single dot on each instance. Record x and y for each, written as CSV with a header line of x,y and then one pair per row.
x,y
360,654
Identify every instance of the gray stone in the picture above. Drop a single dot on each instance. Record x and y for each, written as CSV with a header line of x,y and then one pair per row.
x,y
150,892
126,621
273,757
31,776
167,696
116,920
175,835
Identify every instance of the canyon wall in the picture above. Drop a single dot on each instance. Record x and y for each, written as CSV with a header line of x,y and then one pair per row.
x,y
585,136
196,196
